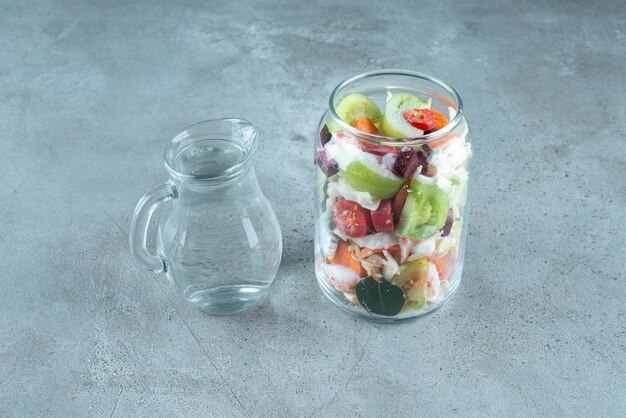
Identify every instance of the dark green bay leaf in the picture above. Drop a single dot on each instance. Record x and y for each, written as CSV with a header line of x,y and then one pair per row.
x,y
382,298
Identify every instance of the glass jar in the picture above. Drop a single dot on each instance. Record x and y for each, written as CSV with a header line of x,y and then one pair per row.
x,y
218,240
391,194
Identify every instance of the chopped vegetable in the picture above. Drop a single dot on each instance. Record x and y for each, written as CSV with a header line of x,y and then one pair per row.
x,y
441,267
414,280
351,219
393,250
325,135
394,124
440,120
400,198
344,257
364,144
407,161
382,218
356,106
342,278
379,240
328,166
425,211
426,247
447,227
422,119
412,270
340,189
377,181
365,125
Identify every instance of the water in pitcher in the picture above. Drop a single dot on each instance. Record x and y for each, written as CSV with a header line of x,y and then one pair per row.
x,y
219,238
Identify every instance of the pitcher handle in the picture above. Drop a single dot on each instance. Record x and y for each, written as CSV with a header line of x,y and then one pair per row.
x,y
141,219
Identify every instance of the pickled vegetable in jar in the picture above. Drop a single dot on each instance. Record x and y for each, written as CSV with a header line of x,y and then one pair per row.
x,y
392,155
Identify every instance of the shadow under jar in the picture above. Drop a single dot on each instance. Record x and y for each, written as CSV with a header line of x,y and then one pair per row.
x,y
391,194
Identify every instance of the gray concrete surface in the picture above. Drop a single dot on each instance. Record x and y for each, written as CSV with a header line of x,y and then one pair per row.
x,y
91,91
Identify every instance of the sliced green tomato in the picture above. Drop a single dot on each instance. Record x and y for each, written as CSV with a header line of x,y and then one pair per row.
x,y
417,269
417,295
365,179
425,211
394,124
414,281
355,106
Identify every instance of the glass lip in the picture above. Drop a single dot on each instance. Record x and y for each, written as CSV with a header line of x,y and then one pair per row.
x,y
228,174
387,140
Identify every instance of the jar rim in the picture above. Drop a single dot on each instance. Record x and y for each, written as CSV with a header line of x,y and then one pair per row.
x,y
386,140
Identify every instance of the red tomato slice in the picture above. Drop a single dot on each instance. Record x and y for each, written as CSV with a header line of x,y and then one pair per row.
x,y
382,218
422,119
351,219
440,121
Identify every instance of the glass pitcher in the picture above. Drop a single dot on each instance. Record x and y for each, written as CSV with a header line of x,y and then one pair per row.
x,y
218,240
392,151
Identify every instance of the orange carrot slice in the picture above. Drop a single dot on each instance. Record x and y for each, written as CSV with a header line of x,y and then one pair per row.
x,y
344,257
365,125
440,120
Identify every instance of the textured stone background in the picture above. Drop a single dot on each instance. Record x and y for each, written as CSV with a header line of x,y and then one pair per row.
x,y
91,91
